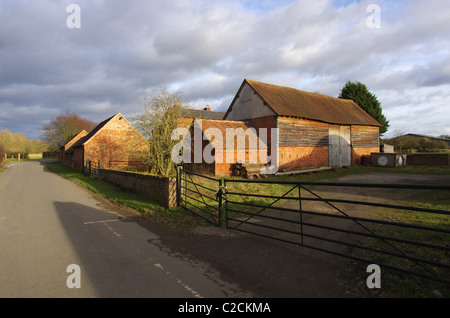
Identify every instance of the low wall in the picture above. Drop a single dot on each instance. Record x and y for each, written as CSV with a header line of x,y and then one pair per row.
x,y
159,189
429,159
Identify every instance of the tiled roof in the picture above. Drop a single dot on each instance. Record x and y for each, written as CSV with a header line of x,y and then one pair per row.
x,y
201,113
74,139
286,101
82,140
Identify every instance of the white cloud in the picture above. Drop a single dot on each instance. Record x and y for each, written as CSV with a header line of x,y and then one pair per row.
x,y
206,48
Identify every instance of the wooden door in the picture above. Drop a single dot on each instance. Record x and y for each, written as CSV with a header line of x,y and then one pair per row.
x,y
339,149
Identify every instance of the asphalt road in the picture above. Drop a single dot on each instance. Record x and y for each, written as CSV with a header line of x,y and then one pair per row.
x,y
48,223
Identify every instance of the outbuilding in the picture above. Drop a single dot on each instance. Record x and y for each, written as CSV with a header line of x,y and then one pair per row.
x,y
313,130
114,142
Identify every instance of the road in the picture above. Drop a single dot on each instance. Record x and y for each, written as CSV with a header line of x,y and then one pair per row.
x,y
48,223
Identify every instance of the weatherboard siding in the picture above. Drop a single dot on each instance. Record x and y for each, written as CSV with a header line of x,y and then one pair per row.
x,y
365,136
294,132
248,105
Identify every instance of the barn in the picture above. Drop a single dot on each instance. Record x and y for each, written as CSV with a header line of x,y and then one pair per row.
x,y
314,130
217,145
114,142
65,157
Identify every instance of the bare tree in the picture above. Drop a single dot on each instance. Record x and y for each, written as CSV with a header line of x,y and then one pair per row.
x,y
156,123
64,127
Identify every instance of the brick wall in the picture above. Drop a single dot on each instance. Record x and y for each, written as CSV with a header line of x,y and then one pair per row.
x,y
159,189
70,143
77,159
302,157
358,154
116,142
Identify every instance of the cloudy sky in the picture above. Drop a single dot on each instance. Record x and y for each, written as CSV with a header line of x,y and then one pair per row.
x,y
206,48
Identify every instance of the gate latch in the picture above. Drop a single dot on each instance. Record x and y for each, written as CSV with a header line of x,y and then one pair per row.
x,y
222,190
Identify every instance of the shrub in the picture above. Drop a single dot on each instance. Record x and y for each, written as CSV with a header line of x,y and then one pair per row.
x,y
2,154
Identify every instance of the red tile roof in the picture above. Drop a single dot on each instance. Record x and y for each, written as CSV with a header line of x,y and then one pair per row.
x,y
291,102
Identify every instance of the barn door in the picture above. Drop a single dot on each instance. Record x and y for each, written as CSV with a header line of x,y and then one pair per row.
x,y
339,150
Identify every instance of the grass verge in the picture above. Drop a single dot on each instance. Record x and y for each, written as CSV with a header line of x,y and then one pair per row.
x,y
175,218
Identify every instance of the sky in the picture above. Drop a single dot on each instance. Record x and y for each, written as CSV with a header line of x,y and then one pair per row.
x,y
101,57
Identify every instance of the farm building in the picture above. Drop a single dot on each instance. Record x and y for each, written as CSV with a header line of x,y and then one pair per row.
x,y
114,142
314,130
217,145
188,115
62,153
205,113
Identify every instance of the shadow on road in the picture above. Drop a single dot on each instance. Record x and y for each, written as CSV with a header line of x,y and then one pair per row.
x,y
263,267
102,253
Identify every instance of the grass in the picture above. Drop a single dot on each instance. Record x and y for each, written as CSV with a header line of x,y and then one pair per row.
x,y
34,156
175,217
399,284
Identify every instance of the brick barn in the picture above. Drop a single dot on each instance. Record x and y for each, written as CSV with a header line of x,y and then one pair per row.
x,y
221,143
314,130
66,158
114,142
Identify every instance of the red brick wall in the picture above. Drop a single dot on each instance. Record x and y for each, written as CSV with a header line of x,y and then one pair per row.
x,y
62,156
302,157
359,152
116,142
268,122
159,189
221,165
77,159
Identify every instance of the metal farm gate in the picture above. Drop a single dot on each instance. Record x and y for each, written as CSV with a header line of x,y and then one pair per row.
x,y
322,216
200,195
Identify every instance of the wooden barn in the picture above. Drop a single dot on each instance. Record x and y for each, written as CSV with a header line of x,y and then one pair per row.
x,y
314,130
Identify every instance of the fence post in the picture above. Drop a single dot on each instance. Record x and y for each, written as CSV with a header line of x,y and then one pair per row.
x,y
300,210
179,185
226,203
220,201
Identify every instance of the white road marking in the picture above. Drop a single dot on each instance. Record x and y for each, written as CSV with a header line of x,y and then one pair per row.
x,y
179,281
112,230
104,221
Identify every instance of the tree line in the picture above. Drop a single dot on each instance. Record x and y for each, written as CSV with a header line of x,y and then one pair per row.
x,y
18,143
408,143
